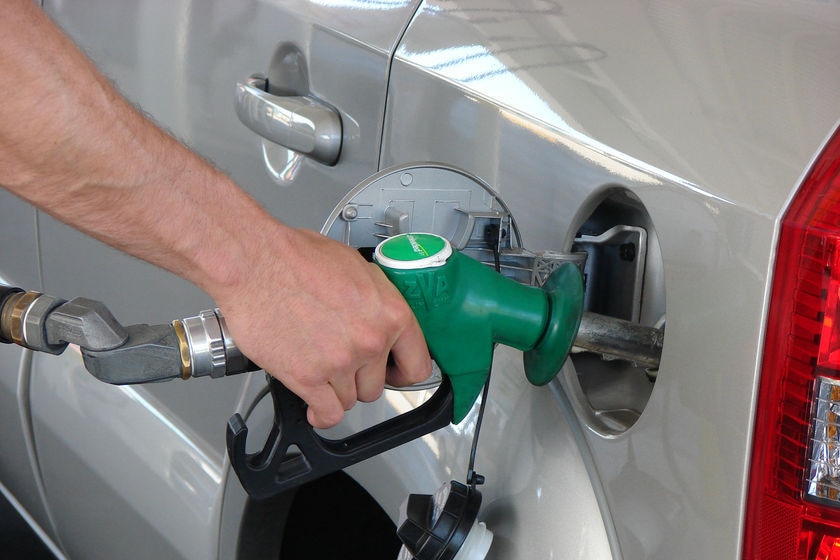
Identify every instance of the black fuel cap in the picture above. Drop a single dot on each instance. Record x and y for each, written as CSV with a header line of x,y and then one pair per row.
x,y
428,534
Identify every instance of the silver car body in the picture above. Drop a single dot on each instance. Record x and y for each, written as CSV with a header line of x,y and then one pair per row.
x,y
699,117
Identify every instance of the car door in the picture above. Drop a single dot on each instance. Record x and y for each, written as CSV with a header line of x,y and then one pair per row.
x,y
149,462
18,267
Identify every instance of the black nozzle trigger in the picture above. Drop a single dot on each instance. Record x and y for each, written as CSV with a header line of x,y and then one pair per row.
x,y
294,453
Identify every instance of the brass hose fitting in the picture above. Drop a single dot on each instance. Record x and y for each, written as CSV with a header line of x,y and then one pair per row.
x,y
13,315
8,296
183,349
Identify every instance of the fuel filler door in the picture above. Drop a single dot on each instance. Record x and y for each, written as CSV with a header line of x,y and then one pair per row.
x,y
444,200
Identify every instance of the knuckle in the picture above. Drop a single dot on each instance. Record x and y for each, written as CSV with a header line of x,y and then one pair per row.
x,y
374,343
340,360
366,339
310,376
399,307
371,394
326,418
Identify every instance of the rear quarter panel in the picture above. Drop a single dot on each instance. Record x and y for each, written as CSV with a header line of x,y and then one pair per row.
x,y
708,112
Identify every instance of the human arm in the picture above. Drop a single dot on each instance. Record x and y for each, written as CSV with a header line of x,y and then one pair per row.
x,y
308,310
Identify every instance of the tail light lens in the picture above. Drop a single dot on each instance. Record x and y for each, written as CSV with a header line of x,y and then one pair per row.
x,y
793,503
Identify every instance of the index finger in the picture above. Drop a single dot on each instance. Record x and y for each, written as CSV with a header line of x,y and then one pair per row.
x,y
410,355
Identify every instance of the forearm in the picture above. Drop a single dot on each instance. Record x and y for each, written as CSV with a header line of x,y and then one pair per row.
x,y
309,310
70,144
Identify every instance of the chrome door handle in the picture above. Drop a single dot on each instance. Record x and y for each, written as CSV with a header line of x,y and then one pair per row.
x,y
300,123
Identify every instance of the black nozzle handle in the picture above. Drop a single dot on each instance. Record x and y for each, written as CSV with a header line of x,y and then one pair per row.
x,y
295,453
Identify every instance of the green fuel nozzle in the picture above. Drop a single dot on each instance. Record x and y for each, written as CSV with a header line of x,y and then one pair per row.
x,y
464,307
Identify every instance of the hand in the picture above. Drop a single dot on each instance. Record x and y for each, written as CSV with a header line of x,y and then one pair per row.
x,y
327,324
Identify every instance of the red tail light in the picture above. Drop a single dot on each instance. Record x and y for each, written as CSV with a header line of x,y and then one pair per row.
x,y
793,504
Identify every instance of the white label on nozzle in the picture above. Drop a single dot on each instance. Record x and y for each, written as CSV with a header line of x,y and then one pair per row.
x,y
413,251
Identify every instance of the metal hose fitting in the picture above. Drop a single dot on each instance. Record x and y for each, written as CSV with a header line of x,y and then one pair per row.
x,y
23,319
207,348
8,304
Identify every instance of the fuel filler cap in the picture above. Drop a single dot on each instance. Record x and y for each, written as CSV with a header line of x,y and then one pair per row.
x,y
443,526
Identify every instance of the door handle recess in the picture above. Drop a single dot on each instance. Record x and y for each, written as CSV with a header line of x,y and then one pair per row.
x,y
300,123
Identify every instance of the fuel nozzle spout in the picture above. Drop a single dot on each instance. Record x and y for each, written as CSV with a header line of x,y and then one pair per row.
x,y
465,307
